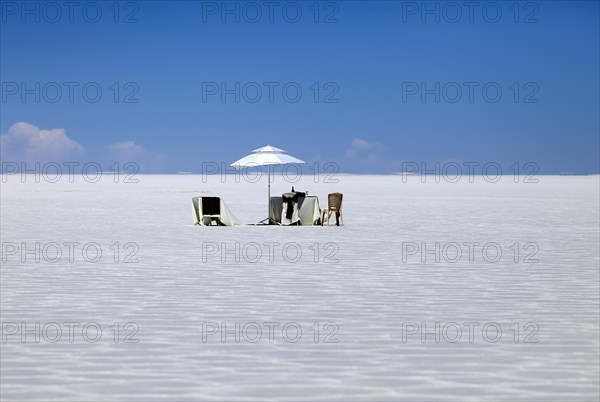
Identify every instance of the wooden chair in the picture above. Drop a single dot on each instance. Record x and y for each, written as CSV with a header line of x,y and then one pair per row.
x,y
334,204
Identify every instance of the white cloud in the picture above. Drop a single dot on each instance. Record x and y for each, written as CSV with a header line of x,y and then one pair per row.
x,y
363,156
359,147
127,148
25,142
130,151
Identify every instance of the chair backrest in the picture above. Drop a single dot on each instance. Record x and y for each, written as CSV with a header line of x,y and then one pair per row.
x,y
211,206
334,201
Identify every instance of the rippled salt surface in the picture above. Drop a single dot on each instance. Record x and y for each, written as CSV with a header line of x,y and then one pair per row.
x,y
368,293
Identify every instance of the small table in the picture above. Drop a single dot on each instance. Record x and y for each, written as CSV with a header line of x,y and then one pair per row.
x,y
309,211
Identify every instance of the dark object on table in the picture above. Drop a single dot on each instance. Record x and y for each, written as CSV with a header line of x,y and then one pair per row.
x,y
290,199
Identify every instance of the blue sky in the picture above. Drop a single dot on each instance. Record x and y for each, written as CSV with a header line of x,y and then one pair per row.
x,y
370,61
